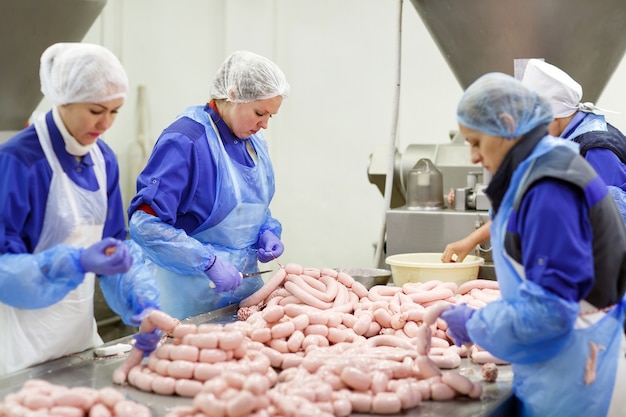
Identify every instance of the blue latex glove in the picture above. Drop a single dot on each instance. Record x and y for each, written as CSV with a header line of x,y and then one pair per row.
x,y
224,275
147,342
457,317
94,259
269,246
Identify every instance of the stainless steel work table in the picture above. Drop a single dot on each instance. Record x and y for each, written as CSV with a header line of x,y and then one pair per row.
x,y
84,369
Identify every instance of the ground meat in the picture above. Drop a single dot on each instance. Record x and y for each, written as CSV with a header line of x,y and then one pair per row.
x,y
490,372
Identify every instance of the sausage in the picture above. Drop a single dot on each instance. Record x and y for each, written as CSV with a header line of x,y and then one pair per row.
x,y
282,330
458,382
180,369
441,392
164,385
262,293
99,410
434,311
306,296
241,404
435,294
230,340
206,371
272,314
355,378
188,387
209,405
427,368
467,286
409,395
185,352
133,359
184,329
386,403
294,268
361,402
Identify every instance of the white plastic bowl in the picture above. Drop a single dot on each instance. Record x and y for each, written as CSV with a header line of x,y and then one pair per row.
x,y
422,267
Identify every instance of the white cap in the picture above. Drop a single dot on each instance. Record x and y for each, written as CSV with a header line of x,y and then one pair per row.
x,y
81,73
555,85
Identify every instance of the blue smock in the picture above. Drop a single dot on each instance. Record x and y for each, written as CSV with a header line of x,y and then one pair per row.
x,y
533,324
51,207
210,199
25,183
606,158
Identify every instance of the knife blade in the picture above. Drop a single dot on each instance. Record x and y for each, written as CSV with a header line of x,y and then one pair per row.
x,y
252,274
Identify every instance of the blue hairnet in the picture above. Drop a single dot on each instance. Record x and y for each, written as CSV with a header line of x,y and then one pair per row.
x,y
245,76
486,103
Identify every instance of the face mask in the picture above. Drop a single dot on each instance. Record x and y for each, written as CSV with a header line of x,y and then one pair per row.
x,y
72,146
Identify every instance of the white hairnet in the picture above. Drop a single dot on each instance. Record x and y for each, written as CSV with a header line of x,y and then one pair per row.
x,y
81,73
486,103
555,85
245,76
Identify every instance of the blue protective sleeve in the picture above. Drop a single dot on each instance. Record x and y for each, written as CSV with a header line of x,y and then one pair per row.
x,y
532,328
130,293
39,280
271,224
169,247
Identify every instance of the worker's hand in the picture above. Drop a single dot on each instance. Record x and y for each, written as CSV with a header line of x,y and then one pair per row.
x,y
141,313
107,257
224,275
462,248
456,317
269,246
457,251
147,342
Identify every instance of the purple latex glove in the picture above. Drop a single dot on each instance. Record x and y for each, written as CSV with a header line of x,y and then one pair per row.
x,y
95,259
224,275
269,247
147,342
457,317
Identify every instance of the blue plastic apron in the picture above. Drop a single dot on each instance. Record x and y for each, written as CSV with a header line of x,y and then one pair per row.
x,y
557,387
233,239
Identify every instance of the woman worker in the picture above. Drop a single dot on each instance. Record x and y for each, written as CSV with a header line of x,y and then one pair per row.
x,y
601,144
61,216
201,211
559,248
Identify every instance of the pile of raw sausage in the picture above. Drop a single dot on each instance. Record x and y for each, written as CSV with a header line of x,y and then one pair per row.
x,y
340,347
42,398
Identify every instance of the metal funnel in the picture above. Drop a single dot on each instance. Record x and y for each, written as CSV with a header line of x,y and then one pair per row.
x,y
27,28
584,38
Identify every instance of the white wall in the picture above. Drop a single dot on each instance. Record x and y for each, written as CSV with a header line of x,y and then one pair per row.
x,y
340,59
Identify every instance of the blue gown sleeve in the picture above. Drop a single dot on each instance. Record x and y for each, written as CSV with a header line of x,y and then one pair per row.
x,y
168,246
535,324
39,280
271,224
133,292
532,328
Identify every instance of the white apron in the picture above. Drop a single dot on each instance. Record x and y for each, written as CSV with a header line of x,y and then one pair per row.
x,y
74,216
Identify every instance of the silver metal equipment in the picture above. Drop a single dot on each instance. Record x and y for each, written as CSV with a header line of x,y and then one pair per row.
x,y
27,28
475,37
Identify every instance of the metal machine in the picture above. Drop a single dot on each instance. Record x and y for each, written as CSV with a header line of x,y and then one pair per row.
x,y
27,28
475,37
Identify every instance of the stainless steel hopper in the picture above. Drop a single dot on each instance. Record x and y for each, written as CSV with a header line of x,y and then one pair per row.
x,y
586,39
